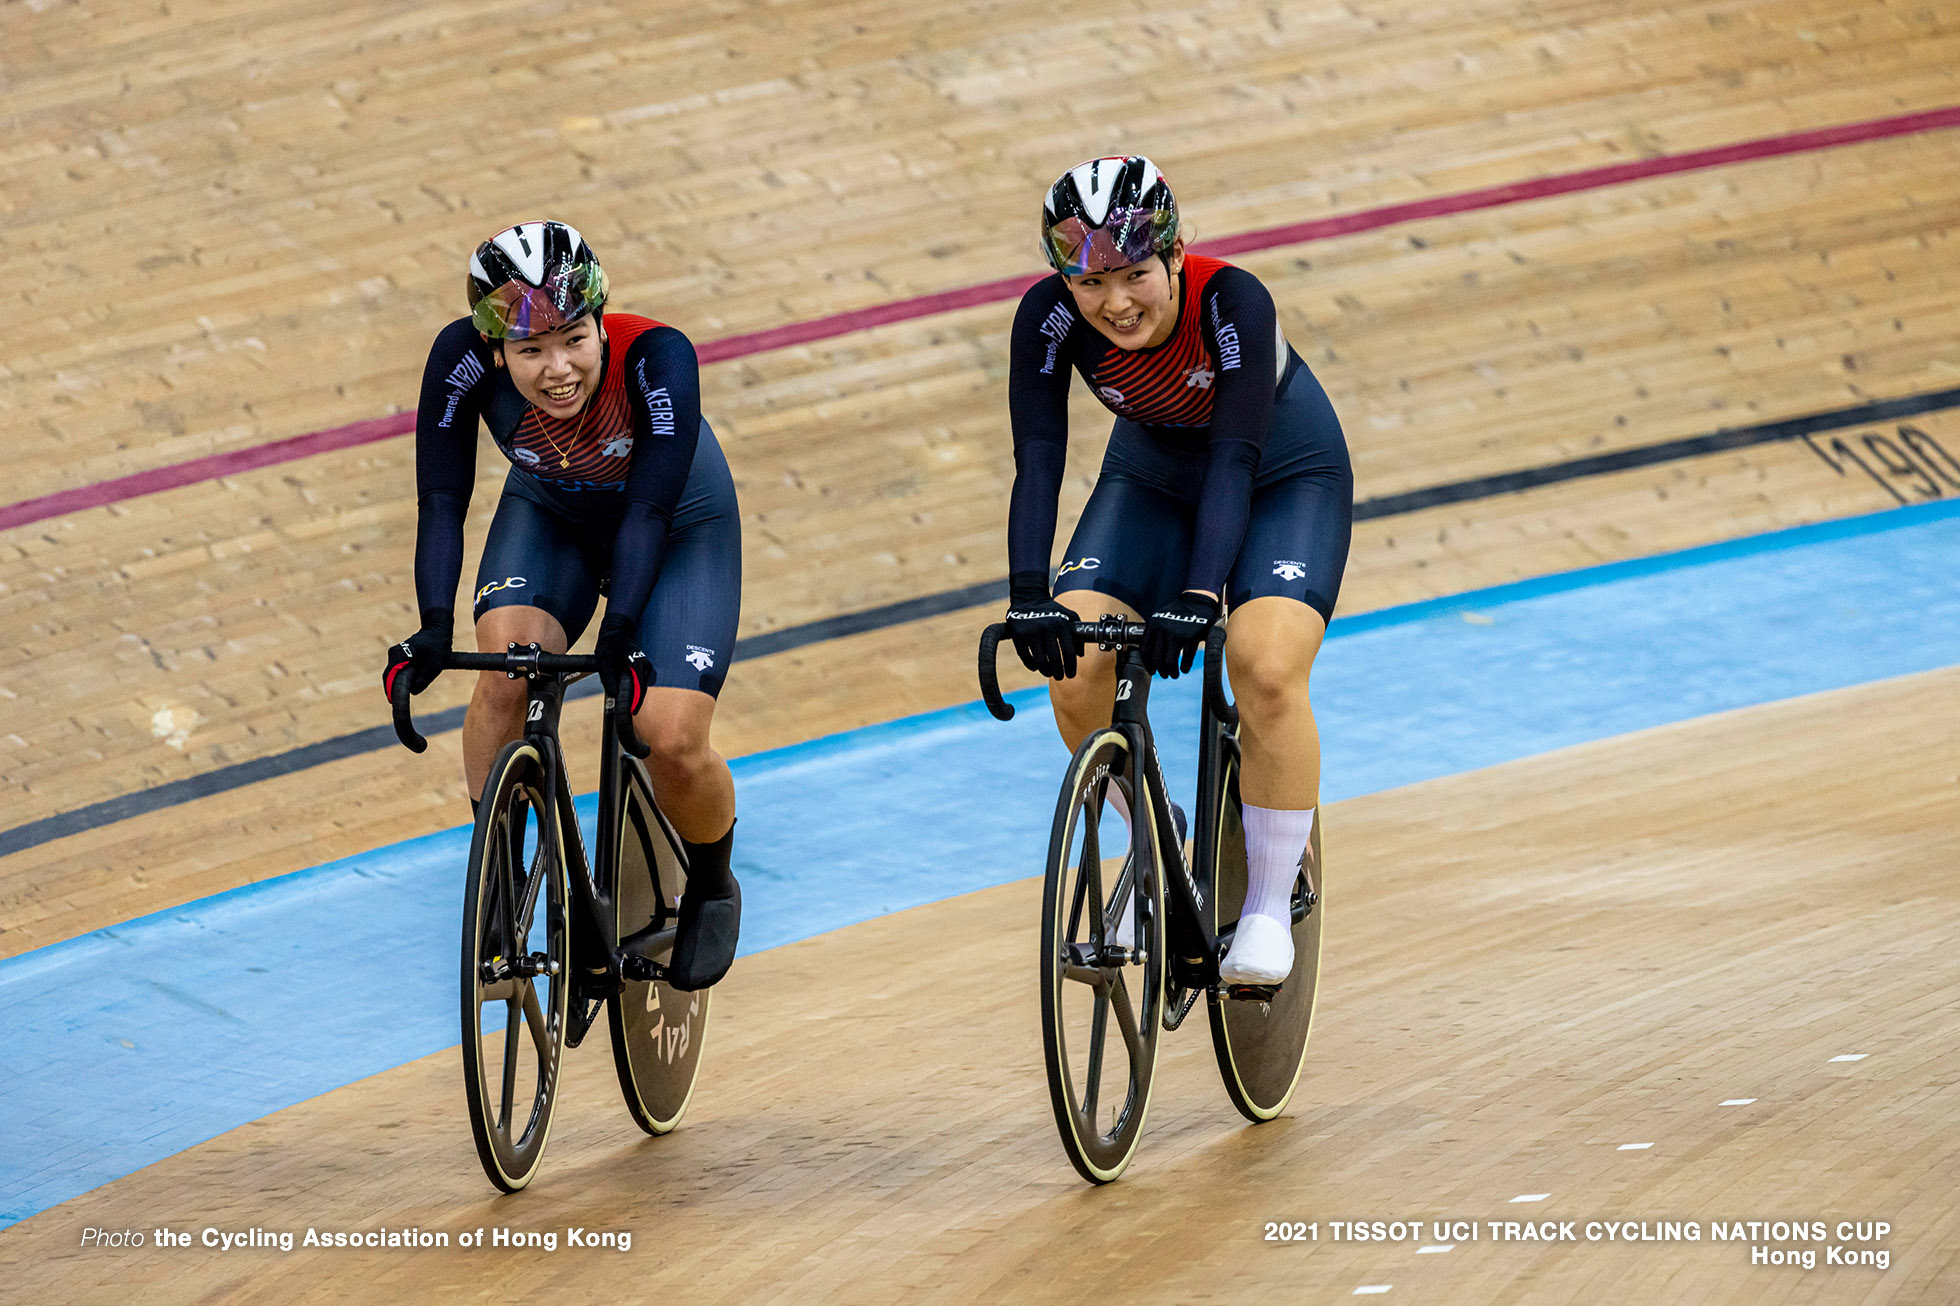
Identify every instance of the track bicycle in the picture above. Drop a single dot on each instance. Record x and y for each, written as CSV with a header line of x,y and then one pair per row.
x,y
1147,971
549,939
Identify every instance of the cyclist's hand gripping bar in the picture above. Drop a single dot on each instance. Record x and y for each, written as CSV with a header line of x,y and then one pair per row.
x,y
517,663
1111,634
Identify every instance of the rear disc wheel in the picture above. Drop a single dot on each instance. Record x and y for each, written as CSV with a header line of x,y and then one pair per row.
x,y
657,1030
1262,1045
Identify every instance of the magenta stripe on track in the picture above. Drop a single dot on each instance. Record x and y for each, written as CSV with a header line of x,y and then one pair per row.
x,y
204,469
946,301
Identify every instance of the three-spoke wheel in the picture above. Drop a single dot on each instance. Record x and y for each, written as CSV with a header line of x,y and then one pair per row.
x,y
657,1030
1260,1036
1102,949
516,969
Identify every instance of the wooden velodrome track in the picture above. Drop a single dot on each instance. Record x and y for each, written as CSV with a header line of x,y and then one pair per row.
x,y
245,224
1619,945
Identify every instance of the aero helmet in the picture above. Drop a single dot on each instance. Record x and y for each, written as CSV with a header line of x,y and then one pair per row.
x,y
533,278
1107,213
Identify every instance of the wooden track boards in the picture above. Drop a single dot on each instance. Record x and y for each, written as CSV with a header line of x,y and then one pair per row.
x,y
1527,967
258,222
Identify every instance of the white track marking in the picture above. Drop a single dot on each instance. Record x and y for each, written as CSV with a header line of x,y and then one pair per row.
x,y
1738,1101
1633,1147
1530,1197
1372,1289
1852,1056
1434,1247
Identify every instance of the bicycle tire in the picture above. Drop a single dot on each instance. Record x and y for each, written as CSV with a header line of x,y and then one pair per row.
x,y
1262,1045
657,1030
1077,916
516,875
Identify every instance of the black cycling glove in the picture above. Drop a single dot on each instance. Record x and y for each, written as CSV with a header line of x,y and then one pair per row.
x,y
422,653
1173,633
627,675
1043,630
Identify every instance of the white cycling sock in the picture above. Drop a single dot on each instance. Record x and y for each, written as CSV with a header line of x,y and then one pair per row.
x,y
1274,843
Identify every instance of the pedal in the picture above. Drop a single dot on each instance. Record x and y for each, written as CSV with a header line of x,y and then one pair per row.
x,y
640,970
1303,905
1251,992
1178,1007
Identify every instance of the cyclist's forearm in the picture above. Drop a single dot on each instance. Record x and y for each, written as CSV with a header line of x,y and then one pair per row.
x,y
438,549
637,547
1031,510
1224,503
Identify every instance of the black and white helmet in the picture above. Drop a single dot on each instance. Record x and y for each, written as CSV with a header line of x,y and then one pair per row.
x,y
1107,213
533,278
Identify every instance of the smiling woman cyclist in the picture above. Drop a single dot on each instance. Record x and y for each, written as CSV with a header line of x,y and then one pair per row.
x,y
1226,482
614,477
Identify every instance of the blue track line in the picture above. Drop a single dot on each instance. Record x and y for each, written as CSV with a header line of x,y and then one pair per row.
x,y
133,1043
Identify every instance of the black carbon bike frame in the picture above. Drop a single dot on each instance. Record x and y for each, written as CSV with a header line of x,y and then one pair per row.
x,y
599,969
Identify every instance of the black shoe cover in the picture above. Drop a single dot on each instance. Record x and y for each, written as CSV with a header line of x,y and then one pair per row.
x,y
711,918
704,945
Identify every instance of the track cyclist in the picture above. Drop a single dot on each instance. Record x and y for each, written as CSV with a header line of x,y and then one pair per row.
x,y
615,480
1226,478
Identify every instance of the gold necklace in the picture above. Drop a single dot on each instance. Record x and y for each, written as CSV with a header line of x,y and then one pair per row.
x,y
564,459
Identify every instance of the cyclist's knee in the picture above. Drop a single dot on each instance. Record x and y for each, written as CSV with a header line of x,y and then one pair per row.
x,y
676,735
677,756
498,693
1095,675
1273,686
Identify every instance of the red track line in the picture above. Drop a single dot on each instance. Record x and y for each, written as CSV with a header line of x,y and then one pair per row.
x,y
946,301
204,469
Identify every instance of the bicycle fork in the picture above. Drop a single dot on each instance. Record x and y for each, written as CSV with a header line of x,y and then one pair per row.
x,y
1188,933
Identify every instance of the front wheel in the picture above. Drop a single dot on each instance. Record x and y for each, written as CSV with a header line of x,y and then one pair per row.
x,y
657,1030
1261,1041
516,967
1102,961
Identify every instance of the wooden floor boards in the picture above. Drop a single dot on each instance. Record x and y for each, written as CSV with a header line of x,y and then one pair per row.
x,y
1528,967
